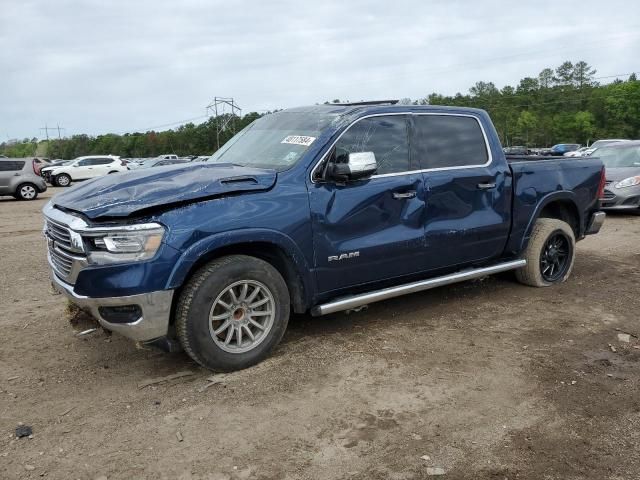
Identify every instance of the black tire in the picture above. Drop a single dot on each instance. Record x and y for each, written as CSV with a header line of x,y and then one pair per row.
x,y
61,180
198,302
26,191
546,266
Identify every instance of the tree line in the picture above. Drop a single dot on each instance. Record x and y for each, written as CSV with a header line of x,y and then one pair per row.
x,y
562,105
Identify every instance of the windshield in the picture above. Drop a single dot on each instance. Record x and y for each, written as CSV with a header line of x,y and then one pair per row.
x,y
613,157
275,141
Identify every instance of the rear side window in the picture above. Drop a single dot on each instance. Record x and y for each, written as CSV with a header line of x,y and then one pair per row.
x,y
103,161
444,141
385,136
11,166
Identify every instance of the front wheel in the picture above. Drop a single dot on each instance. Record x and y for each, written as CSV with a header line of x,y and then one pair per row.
x,y
62,180
550,254
232,313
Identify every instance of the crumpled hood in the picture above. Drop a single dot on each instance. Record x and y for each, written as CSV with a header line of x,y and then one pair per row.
x,y
121,195
617,174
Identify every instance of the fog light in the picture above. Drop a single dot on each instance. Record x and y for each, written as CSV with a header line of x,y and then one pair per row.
x,y
121,314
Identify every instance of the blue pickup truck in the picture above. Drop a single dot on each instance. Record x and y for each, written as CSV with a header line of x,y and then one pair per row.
x,y
318,209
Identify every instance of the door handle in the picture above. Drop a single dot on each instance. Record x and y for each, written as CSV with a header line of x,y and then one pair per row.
x,y
486,186
404,195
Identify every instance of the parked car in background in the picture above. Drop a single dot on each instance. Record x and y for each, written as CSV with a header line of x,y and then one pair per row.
x,y
84,168
40,163
154,162
19,177
134,164
516,150
622,163
576,153
321,209
560,149
602,143
45,172
3,156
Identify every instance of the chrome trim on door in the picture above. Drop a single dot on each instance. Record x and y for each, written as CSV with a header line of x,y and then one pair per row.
x,y
411,172
354,301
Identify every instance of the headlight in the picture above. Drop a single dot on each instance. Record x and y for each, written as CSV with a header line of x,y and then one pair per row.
x,y
628,182
126,244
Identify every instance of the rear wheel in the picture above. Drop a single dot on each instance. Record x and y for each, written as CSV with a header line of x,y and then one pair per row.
x,y
27,191
62,180
550,254
232,312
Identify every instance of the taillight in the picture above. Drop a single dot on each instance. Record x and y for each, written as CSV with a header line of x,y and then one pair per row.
x,y
36,168
603,181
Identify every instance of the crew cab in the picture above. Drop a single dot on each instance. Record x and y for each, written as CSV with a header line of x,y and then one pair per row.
x,y
83,168
318,209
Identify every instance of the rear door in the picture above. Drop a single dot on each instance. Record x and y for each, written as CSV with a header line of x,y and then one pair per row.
x,y
9,171
369,230
468,199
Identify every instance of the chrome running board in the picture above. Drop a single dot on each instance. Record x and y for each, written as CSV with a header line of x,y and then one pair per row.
x,y
347,303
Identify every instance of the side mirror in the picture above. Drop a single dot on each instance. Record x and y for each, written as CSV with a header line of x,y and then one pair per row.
x,y
360,165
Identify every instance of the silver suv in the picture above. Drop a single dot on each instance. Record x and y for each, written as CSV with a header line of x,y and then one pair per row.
x,y
18,177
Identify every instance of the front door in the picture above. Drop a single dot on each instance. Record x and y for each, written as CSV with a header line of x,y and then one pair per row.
x,y
369,230
468,212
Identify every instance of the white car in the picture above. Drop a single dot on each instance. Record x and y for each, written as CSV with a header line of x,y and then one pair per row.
x,y
84,168
577,153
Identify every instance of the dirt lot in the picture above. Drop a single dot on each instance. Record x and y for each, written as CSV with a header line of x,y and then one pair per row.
x,y
487,379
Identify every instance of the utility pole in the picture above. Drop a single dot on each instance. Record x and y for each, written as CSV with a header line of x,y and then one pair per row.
x,y
224,110
46,129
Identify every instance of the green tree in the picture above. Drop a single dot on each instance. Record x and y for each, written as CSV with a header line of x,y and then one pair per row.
x,y
527,122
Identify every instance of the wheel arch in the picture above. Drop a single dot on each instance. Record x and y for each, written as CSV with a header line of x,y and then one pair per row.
x,y
561,205
273,247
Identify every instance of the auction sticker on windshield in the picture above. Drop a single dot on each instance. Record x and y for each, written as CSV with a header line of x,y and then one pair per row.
x,y
298,140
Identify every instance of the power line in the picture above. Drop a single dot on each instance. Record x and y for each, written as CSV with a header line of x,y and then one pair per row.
x,y
57,127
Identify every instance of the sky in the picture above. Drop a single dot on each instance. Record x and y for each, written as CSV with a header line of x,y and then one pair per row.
x,y
113,66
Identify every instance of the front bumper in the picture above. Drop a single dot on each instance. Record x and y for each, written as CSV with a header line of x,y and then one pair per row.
x,y
621,199
154,307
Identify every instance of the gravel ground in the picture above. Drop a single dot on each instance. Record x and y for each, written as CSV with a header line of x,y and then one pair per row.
x,y
485,379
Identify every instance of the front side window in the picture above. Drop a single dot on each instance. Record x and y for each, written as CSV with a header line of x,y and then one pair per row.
x,y
445,141
385,136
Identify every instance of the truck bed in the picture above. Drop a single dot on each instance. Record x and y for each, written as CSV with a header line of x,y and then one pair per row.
x,y
537,179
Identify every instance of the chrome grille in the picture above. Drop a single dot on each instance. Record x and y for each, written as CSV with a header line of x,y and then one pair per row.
x,y
59,233
608,195
64,258
62,263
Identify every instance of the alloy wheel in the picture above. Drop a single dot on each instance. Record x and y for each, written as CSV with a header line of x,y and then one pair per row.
x,y
242,316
